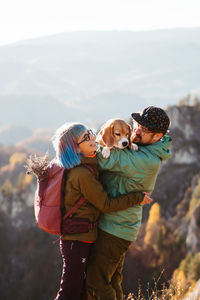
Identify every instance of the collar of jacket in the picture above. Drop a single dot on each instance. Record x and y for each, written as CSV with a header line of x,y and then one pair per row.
x,y
89,160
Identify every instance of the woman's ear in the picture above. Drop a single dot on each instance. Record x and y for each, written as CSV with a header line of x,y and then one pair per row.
x,y
107,136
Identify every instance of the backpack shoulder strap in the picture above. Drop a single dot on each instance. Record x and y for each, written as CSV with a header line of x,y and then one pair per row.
x,y
74,208
80,201
89,168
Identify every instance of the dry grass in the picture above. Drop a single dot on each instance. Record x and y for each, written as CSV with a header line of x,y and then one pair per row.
x,y
174,291
37,165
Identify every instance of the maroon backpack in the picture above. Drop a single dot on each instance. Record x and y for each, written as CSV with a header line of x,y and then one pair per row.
x,y
49,204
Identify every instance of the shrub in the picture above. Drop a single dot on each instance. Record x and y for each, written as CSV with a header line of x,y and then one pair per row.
x,y
17,158
191,266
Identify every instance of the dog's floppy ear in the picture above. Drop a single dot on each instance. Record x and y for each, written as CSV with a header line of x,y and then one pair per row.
x,y
129,135
99,138
107,136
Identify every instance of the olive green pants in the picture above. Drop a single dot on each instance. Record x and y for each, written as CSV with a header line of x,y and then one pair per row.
x,y
104,273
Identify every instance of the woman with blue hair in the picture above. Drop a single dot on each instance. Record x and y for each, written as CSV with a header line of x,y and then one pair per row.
x,y
75,149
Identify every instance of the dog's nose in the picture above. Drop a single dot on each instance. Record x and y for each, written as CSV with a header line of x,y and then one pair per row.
x,y
124,144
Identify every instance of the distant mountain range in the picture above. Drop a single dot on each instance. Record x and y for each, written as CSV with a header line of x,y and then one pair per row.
x,y
94,76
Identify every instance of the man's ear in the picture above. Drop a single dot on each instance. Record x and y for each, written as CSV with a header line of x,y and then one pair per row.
x,y
157,137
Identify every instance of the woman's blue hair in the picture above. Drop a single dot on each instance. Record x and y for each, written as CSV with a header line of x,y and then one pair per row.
x,y
66,146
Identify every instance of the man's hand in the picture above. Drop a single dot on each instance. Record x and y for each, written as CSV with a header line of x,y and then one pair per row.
x,y
146,200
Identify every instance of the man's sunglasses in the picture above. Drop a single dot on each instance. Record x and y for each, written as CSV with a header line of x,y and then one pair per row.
x,y
86,136
143,129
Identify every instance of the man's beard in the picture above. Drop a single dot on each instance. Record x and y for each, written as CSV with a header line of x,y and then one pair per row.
x,y
137,139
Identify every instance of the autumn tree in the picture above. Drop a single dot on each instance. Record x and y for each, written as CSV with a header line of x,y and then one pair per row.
x,y
7,188
190,265
17,158
153,226
196,100
185,101
195,200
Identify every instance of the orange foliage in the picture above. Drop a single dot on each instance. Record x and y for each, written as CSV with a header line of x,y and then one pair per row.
x,y
17,158
7,188
28,179
153,225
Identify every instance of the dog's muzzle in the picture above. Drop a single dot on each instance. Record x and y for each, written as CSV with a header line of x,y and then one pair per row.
x,y
123,143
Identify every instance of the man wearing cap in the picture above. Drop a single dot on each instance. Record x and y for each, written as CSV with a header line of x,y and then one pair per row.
x,y
126,170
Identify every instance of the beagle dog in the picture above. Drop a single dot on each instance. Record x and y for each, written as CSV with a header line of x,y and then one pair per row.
x,y
115,133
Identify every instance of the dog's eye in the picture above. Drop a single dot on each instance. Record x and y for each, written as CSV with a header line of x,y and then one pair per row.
x,y
118,134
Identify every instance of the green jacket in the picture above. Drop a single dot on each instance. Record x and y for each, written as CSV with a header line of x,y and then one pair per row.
x,y
81,182
128,170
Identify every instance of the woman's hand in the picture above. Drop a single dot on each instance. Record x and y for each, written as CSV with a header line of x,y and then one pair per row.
x,y
147,199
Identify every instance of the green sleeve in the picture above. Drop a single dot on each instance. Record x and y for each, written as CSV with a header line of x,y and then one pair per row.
x,y
129,161
120,162
93,191
111,163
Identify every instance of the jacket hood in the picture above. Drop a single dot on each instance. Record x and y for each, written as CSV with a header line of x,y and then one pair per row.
x,y
161,148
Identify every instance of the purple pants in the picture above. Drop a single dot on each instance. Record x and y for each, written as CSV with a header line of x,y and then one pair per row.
x,y
73,281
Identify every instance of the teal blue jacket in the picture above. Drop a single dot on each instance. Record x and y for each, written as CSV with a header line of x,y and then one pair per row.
x,y
128,170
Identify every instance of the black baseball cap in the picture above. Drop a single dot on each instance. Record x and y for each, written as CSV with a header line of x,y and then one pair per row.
x,y
153,118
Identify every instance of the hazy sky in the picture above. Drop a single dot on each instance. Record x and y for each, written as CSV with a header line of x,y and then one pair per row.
x,y
23,19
